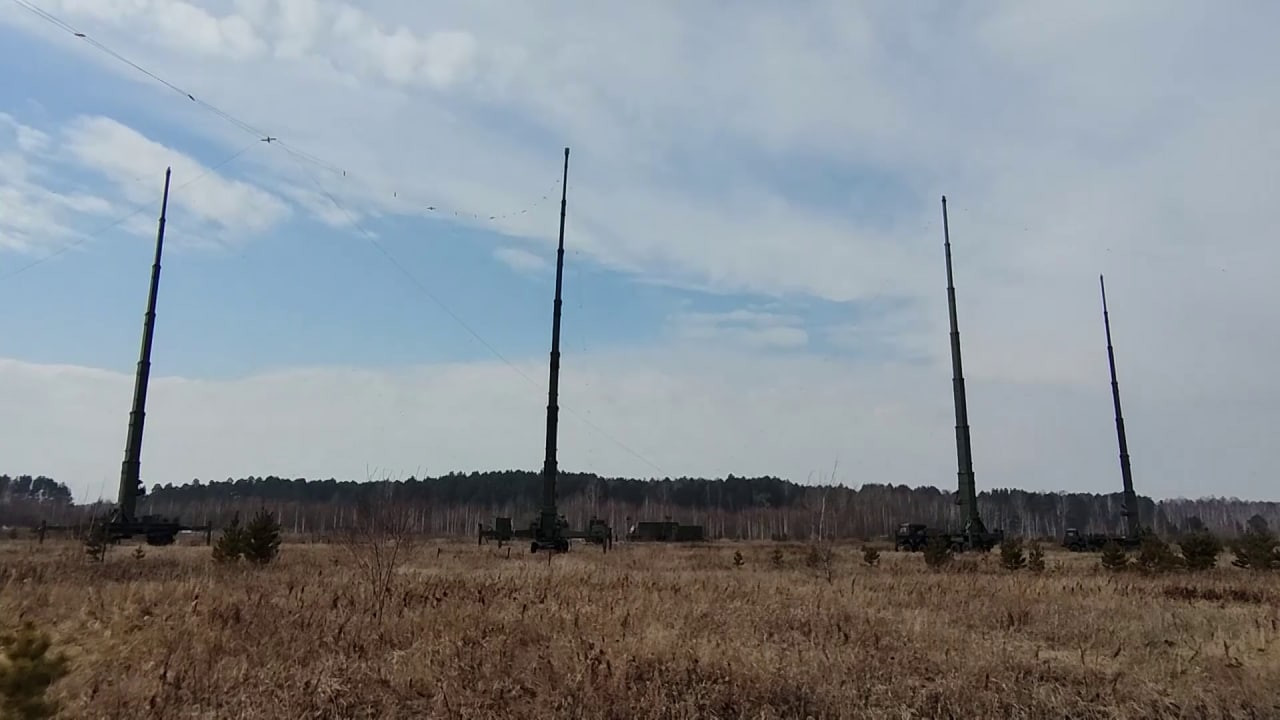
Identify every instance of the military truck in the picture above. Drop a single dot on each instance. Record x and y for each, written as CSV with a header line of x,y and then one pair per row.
x,y
155,529
913,537
665,531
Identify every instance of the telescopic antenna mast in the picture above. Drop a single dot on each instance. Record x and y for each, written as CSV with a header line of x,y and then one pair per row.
x,y
967,497
130,470
550,515
1132,521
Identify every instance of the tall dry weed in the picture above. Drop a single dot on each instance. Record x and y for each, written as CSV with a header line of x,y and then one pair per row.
x,y
643,632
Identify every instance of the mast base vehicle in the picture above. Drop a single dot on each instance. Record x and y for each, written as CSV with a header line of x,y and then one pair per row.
x,y
154,529
913,537
502,531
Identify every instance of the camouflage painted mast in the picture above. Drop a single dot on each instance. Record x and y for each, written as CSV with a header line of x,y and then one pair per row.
x,y
967,496
1074,538
125,521
550,531
130,470
549,534
915,536
1132,520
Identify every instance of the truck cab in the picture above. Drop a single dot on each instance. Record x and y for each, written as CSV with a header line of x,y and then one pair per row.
x,y
911,537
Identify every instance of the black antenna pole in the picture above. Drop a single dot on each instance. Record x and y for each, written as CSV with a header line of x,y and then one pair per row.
x,y
1132,521
550,514
967,497
130,470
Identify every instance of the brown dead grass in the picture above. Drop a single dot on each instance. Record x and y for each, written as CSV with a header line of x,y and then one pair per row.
x,y
643,632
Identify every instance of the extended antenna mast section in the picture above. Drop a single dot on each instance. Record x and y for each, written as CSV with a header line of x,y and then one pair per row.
x,y
123,521
916,536
550,531
549,535
968,495
130,470
1132,521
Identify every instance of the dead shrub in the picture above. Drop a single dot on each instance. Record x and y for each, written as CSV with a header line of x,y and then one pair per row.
x,y
1192,593
379,543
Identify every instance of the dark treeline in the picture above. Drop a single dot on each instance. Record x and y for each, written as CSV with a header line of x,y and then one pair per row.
x,y
24,499
38,488
732,507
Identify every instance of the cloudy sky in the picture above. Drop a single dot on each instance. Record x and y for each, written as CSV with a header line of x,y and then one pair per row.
x,y
754,277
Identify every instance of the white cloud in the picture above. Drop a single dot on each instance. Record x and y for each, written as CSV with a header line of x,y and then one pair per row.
x,y
35,215
124,155
178,25
447,56
521,260
1134,140
338,215
199,31
290,30
99,171
298,26
746,328
402,56
687,410
31,140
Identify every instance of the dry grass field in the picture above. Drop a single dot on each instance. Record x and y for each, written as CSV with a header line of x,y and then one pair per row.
x,y
641,632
